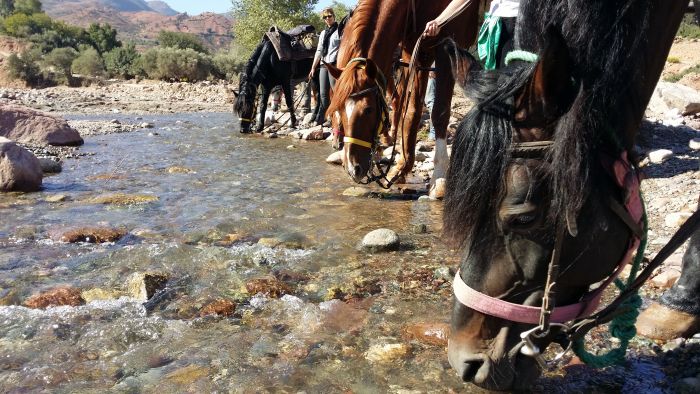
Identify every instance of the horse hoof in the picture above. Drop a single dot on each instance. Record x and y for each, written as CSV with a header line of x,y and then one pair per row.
x,y
664,323
437,189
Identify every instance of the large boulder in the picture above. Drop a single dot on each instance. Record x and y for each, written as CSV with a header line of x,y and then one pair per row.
x,y
29,126
20,170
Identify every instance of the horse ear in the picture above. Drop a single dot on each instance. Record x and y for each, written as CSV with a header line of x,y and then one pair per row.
x,y
235,93
333,70
551,88
463,63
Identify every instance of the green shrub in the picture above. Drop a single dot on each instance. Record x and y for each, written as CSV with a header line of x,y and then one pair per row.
x,y
103,37
688,27
227,64
22,25
675,77
88,63
27,6
120,62
61,60
25,66
170,64
173,39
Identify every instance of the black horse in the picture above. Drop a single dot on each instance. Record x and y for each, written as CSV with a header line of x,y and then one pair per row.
x,y
264,68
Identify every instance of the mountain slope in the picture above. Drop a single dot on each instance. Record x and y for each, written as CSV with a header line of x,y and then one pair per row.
x,y
162,7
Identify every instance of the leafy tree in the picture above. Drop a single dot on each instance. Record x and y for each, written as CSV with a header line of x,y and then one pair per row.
x,y
23,25
254,17
25,66
88,63
61,59
172,64
7,7
103,37
179,40
120,61
27,7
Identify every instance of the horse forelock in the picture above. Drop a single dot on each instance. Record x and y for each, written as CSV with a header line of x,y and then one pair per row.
x,y
351,81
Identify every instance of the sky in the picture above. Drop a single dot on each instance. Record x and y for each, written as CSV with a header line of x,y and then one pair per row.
x,y
221,6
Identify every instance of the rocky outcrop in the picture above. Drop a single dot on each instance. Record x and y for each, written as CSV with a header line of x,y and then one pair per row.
x,y
668,96
29,126
20,170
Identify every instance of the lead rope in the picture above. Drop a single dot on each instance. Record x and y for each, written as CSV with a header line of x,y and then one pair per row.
x,y
622,326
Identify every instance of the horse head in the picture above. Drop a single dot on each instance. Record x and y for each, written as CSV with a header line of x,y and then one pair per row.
x,y
360,110
510,204
244,103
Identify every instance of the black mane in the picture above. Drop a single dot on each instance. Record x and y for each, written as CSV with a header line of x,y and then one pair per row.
x,y
606,40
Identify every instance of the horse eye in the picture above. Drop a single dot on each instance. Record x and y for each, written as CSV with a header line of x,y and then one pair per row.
x,y
524,219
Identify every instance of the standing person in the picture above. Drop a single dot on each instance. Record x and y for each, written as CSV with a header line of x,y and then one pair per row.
x,y
496,34
328,43
430,100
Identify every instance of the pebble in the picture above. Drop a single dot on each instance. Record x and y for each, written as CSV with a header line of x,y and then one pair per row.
x,y
660,155
357,191
335,158
386,353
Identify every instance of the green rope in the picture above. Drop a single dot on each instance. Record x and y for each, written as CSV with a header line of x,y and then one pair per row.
x,y
622,326
521,55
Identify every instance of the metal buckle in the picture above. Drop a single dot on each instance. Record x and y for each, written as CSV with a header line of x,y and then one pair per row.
x,y
530,349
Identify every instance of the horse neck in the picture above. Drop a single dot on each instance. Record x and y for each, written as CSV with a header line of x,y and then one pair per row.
x,y
378,37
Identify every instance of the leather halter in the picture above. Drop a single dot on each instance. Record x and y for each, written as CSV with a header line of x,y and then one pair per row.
x,y
379,89
626,177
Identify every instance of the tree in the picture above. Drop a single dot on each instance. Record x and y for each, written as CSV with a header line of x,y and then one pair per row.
x,y
179,40
25,66
27,7
120,62
254,17
103,37
7,7
88,63
61,59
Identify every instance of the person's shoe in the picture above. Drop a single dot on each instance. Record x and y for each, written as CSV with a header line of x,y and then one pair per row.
x,y
327,123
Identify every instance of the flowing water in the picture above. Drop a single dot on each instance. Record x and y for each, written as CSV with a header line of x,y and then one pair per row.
x,y
214,211
216,194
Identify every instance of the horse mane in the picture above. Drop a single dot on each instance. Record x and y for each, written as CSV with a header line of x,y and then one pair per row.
x,y
607,41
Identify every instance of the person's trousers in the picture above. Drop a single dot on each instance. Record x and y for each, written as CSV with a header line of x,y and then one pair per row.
x,y
326,83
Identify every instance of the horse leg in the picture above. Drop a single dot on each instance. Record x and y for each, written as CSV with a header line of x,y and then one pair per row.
x,y
677,314
263,107
289,100
440,117
408,126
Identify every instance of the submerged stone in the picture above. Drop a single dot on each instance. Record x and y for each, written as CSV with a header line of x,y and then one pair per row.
x,y
92,234
387,353
220,307
381,240
122,199
60,296
270,287
143,286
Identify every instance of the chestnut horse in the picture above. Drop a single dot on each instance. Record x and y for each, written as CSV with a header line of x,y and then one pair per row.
x,y
539,190
365,60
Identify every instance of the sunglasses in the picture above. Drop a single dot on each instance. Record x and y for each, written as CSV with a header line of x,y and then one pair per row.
x,y
328,16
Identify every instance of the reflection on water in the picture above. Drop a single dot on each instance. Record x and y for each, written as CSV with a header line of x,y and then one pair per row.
x,y
221,197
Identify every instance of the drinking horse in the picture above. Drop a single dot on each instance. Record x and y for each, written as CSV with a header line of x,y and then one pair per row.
x,y
542,187
264,68
365,60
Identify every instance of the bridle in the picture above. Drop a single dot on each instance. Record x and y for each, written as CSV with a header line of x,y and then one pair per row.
x,y
379,91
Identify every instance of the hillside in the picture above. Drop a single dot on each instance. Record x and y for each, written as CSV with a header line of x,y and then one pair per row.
x,y
141,21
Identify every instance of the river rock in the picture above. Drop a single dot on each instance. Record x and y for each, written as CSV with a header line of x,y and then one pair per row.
x,y
387,353
185,376
91,234
146,125
220,307
357,191
143,286
122,199
335,158
30,126
676,219
429,333
56,198
314,134
669,96
660,155
694,144
270,287
59,296
50,166
98,294
666,278
308,118
437,190
381,240
20,170
9,297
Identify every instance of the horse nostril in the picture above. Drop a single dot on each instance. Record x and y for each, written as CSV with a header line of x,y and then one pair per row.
x,y
470,370
357,169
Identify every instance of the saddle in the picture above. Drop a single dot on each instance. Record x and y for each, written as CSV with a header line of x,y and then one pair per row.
x,y
295,44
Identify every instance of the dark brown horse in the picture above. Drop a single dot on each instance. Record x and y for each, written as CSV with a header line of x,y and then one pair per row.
x,y
530,172
365,61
